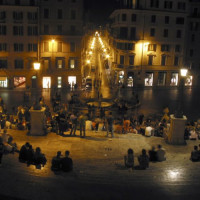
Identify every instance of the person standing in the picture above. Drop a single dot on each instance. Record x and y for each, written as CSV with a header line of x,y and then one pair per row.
x,y
82,122
110,122
74,121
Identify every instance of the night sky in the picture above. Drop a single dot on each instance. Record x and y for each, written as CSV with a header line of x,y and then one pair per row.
x,y
99,10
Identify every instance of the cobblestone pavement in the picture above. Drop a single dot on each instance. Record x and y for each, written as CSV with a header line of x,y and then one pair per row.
x,y
98,170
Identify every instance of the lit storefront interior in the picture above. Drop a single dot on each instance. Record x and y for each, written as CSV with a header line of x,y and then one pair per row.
x,y
59,82
121,77
46,83
148,81
19,82
174,79
130,79
3,82
72,80
188,81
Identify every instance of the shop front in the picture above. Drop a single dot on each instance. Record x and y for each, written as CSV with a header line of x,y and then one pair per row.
x,y
188,81
46,82
72,81
148,81
174,79
121,77
130,79
19,82
3,82
161,78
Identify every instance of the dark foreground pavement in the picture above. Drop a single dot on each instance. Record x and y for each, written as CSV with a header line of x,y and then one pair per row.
x,y
98,170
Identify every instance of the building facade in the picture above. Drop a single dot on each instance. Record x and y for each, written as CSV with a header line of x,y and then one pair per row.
x,y
45,31
149,42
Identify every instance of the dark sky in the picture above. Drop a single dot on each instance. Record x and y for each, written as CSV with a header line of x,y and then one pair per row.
x,y
99,10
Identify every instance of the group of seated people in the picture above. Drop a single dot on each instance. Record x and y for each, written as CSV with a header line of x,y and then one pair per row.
x,y
7,140
144,159
195,154
29,156
192,130
60,163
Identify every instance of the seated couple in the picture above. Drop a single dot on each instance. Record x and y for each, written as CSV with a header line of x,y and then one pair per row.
x,y
65,164
157,155
143,160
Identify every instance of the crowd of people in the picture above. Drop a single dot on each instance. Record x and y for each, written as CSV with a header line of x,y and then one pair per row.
x,y
67,119
154,155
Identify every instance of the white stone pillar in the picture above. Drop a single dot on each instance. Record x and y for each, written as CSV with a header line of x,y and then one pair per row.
x,y
38,122
176,130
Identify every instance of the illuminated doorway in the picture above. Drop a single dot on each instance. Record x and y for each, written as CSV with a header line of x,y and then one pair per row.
x,y
3,82
72,81
174,79
148,81
46,83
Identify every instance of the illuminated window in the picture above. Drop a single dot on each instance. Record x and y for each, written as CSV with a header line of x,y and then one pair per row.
x,y
59,63
3,82
188,81
148,81
46,82
19,82
174,79
59,82
72,80
152,47
72,63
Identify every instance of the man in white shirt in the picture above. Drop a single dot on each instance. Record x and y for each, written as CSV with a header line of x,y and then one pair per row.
x,y
148,131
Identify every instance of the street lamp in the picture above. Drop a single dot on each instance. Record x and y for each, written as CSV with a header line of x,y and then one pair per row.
x,y
36,105
183,74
